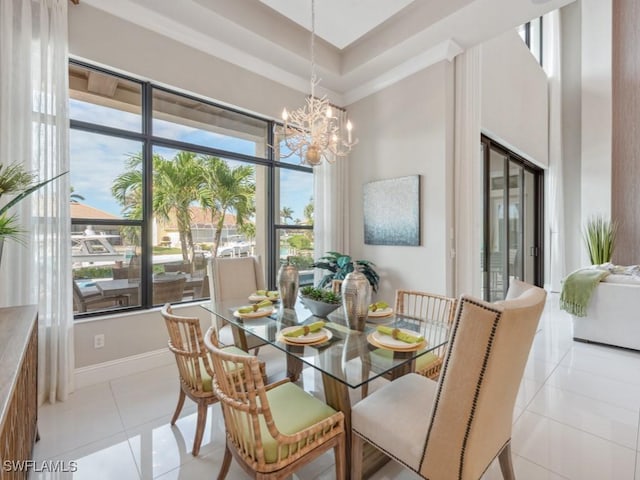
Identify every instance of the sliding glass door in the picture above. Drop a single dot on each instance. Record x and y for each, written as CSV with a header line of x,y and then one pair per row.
x,y
512,221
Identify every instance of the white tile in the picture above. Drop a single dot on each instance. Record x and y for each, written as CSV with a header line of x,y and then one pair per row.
x,y
528,390
88,415
538,370
617,424
107,459
605,362
393,470
204,467
159,448
570,452
600,388
149,395
523,469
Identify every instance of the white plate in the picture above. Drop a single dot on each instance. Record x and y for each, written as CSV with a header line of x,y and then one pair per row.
x,y
258,298
381,312
389,341
261,312
321,335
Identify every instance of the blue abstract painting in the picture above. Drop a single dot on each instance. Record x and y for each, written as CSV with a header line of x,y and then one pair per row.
x,y
392,211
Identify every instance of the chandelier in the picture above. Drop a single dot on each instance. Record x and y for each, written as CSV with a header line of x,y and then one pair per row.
x,y
313,131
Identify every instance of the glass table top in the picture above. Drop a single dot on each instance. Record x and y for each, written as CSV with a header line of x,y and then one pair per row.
x,y
348,355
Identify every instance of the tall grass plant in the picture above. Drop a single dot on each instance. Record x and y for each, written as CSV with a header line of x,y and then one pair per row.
x,y
600,239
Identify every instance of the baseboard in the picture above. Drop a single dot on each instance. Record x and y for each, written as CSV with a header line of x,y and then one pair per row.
x,y
104,372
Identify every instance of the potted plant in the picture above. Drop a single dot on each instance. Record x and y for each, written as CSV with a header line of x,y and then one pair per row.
x,y
600,238
321,302
339,265
15,180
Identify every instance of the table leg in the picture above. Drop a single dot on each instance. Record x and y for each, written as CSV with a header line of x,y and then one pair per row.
x,y
336,395
294,364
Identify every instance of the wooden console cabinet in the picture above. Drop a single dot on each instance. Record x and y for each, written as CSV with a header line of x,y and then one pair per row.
x,y
18,387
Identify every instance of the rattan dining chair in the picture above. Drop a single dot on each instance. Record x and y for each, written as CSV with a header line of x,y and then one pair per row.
x,y
432,315
462,422
271,430
194,367
427,310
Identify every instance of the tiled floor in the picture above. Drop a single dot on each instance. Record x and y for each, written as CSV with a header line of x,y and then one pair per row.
x,y
577,417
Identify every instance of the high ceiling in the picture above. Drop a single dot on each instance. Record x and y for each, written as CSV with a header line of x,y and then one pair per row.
x,y
363,45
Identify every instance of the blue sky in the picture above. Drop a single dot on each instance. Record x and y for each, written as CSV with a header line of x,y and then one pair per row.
x,y
96,160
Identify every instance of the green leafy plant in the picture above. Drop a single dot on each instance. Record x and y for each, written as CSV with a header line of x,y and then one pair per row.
x,y
339,265
15,180
320,295
600,239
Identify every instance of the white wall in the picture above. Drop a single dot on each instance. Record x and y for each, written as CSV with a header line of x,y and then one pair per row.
x,y
407,129
514,97
102,38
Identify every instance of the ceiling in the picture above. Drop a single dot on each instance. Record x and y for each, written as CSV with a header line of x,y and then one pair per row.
x,y
362,46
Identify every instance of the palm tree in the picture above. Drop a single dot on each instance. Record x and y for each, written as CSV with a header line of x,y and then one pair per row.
x,y
127,190
75,197
175,188
286,213
226,190
308,212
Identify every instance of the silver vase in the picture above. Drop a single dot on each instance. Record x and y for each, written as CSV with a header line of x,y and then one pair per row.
x,y
356,297
288,279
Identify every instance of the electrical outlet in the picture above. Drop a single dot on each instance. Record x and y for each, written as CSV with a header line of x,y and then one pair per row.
x,y
98,340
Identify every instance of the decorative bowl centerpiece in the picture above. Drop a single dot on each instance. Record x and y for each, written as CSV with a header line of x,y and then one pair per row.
x,y
319,301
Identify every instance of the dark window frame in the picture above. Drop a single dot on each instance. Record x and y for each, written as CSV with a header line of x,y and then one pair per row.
x,y
149,141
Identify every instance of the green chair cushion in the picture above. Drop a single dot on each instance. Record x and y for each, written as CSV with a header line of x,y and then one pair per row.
x,y
422,362
293,410
206,378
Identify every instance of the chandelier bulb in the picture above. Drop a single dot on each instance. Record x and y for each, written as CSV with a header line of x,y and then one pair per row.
x,y
329,112
285,114
349,125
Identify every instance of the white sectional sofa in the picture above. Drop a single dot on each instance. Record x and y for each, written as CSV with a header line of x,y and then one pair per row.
x,y
613,314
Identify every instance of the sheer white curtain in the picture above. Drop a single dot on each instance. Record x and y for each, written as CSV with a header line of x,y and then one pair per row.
x,y
331,207
555,233
34,131
468,174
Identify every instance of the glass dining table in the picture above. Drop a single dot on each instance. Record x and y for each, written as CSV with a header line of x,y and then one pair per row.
x,y
347,359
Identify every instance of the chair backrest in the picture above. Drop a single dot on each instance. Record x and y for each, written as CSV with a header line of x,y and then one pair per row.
x,y
236,277
472,414
239,385
184,267
168,290
133,272
186,343
120,273
428,309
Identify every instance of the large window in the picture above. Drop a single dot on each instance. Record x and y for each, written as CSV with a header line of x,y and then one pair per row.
x,y
161,181
532,35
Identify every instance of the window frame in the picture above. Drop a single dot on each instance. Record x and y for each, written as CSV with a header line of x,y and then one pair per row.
x,y
149,141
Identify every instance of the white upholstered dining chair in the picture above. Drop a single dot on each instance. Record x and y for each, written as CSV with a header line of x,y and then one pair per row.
x,y
234,278
456,427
